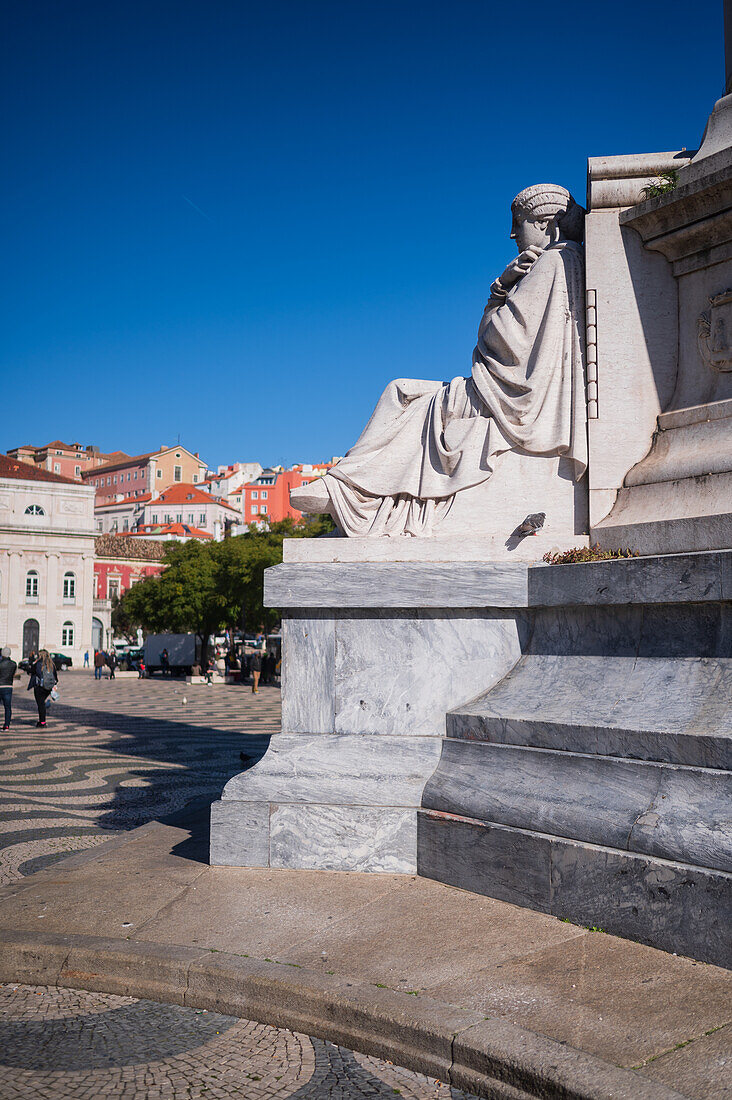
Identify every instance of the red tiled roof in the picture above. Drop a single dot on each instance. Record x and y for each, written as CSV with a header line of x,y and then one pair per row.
x,y
125,460
23,471
182,529
183,493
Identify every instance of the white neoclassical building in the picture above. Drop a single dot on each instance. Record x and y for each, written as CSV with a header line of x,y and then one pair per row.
x,y
46,561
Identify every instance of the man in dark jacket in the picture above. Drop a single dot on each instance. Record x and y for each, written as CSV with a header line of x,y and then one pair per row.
x,y
7,672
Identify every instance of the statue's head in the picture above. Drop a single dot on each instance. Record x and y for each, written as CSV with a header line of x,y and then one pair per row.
x,y
545,214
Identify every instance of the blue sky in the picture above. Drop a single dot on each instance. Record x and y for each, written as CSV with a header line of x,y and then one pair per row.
x,y
235,221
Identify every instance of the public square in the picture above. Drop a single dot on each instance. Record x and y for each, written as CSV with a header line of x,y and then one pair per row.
x,y
117,757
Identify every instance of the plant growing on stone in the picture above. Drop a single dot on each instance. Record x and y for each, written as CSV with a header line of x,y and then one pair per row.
x,y
586,553
664,182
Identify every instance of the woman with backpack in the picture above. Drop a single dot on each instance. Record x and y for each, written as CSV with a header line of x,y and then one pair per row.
x,y
43,679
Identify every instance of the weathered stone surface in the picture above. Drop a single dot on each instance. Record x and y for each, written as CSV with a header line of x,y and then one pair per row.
x,y
658,902
344,838
400,673
670,812
682,578
485,859
396,584
239,833
308,673
674,710
339,770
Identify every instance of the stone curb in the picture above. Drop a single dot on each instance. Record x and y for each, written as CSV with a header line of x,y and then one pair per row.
x,y
491,1057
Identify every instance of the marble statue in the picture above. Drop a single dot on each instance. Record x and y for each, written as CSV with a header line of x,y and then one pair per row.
x,y
427,441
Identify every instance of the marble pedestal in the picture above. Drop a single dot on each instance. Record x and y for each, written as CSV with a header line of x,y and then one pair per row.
x,y
374,655
555,736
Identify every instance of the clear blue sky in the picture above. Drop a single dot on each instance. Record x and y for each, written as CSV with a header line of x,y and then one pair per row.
x,y
237,221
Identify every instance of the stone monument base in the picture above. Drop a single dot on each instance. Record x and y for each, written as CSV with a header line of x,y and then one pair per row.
x,y
555,736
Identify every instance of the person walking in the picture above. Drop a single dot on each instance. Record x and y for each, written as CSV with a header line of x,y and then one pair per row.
x,y
7,672
111,663
255,667
43,679
165,663
99,663
86,658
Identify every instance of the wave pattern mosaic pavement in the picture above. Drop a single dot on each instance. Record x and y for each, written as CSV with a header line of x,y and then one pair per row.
x,y
116,754
64,1043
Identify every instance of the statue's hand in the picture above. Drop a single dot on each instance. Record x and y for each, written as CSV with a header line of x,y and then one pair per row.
x,y
516,270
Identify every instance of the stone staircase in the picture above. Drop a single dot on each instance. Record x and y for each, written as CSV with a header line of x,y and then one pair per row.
x,y
593,782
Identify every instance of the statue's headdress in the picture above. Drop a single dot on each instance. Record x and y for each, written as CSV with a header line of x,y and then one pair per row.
x,y
549,200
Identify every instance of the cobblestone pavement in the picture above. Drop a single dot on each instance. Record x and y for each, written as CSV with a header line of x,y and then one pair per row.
x,y
63,1044
116,754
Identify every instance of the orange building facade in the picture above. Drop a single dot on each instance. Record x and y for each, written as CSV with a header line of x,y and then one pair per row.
x,y
268,498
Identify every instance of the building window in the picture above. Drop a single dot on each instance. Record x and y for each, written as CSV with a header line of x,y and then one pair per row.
x,y
69,588
167,518
34,510
177,454
125,525
100,526
202,519
195,479
255,509
263,509
135,475
31,586
57,467
177,473
109,481
191,517
159,473
67,635
154,518
255,495
178,517
264,494
113,588
77,471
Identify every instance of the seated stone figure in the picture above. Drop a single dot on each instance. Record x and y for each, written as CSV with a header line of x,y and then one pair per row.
x,y
426,441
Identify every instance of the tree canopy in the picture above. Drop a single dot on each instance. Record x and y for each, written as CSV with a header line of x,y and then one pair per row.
x,y
207,587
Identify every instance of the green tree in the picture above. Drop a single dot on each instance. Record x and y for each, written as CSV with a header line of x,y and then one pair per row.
x,y
208,587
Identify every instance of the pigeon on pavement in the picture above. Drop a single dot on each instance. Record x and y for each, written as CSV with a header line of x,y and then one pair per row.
x,y
532,524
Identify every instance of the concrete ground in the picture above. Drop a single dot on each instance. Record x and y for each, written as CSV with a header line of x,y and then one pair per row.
x,y
149,900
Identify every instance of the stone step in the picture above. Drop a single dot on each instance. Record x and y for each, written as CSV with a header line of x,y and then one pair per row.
x,y
664,903
667,811
676,710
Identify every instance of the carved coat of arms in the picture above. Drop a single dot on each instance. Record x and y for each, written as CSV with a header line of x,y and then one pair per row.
x,y
715,332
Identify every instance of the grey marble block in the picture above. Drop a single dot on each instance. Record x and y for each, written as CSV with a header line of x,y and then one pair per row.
x,y
674,710
397,584
664,904
339,838
239,834
400,674
666,578
339,770
658,902
656,579
663,810
308,674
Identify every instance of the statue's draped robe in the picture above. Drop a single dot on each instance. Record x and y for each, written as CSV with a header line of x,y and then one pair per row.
x,y
427,441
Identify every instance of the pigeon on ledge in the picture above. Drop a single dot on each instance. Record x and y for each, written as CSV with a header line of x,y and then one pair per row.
x,y
532,524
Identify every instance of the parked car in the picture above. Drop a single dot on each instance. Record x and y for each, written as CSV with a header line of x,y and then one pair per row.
x,y
60,662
